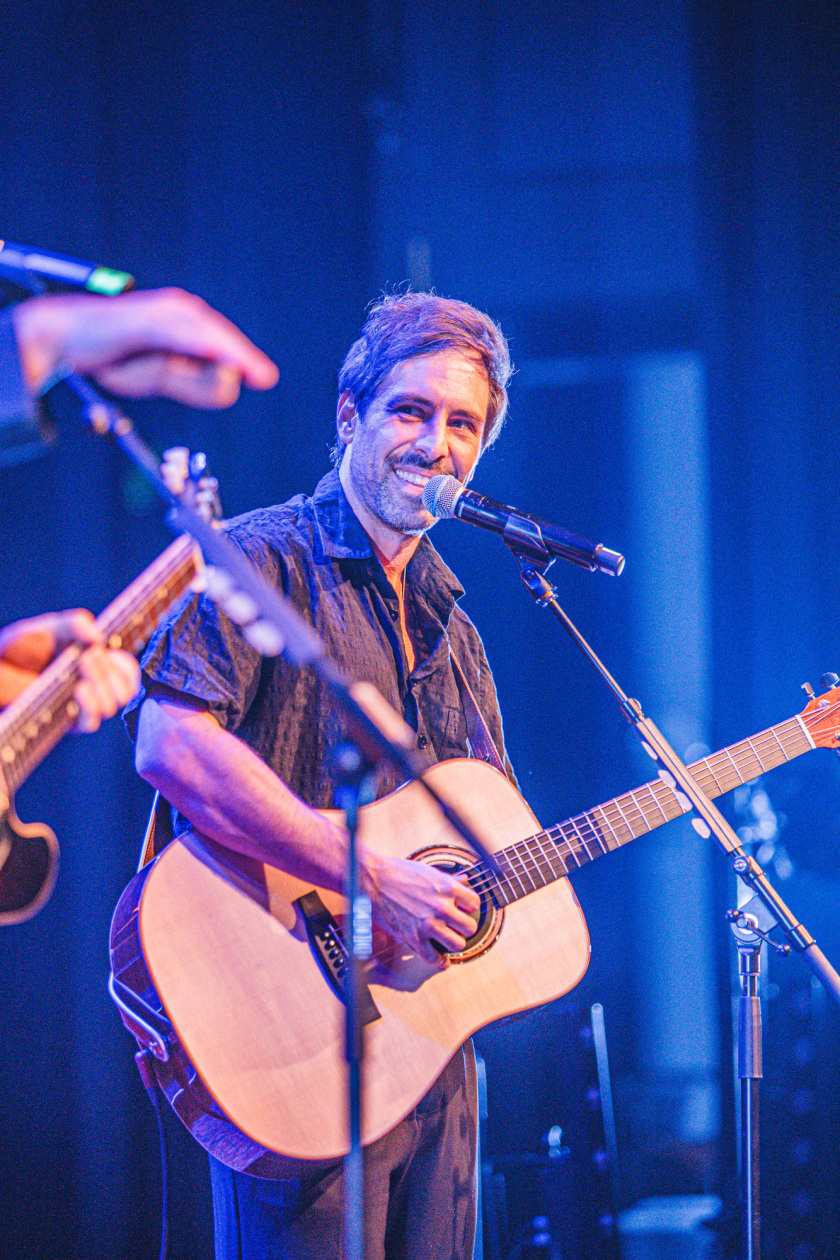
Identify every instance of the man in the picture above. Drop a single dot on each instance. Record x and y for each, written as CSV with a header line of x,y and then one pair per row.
x,y
241,746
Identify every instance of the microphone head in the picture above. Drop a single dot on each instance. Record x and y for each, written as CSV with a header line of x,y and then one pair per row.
x,y
440,494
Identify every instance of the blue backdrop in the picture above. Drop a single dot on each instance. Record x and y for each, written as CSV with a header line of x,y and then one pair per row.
x,y
646,196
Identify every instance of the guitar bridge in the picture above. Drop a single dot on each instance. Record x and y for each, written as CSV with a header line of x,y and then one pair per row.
x,y
331,953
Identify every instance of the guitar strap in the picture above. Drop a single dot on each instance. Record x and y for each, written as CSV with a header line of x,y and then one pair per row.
x,y
482,744
158,831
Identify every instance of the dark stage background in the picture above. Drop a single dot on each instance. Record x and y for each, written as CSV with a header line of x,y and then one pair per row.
x,y
645,194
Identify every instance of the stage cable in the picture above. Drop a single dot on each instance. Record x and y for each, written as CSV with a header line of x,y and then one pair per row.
x,y
142,1059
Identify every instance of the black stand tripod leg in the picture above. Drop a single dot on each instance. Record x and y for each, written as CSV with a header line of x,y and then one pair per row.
x,y
749,1072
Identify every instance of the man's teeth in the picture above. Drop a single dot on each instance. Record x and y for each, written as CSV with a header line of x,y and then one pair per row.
x,y
414,479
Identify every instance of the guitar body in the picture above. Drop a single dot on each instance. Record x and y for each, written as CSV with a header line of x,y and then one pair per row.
x,y
256,1058
28,867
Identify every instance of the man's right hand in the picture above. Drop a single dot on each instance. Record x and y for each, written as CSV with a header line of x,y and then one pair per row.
x,y
419,904
229,794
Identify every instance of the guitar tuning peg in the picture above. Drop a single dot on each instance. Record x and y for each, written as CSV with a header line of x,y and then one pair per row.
x,y
175,469
809,690
197,465
829,681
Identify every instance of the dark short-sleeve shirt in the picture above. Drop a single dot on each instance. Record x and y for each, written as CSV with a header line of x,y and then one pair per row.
x,y
315,550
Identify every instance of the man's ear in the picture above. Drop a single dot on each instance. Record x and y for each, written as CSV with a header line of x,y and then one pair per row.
x,y
346,418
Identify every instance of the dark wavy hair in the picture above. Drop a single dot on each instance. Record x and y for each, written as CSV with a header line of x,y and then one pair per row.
x,y
404,326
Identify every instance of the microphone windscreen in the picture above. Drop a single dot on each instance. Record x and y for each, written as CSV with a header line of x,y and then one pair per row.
x,y
440,494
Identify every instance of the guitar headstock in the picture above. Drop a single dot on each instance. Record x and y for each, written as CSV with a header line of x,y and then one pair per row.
x,y
821,716
185,475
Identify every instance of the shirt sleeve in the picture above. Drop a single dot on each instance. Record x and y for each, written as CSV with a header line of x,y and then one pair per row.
x,y
200,653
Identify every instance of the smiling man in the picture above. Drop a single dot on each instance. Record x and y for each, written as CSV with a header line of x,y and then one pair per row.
x,y
241,745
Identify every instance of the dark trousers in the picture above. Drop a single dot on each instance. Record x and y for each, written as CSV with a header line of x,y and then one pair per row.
x,y
420,1186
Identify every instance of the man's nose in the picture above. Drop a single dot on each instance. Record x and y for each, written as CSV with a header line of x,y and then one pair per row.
x,y
433,439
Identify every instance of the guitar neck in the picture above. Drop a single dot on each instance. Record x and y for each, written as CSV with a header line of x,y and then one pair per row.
x,y
531,864
35,721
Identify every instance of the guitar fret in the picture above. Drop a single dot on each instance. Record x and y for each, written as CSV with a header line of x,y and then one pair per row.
x,y
589,819
582,840
757,756
567,842
527,870
710,769
542,860
639,811
512,873
779,742
619,825
608,825
553,858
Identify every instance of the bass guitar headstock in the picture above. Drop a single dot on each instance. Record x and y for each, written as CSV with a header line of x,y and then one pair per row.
x,y
821,716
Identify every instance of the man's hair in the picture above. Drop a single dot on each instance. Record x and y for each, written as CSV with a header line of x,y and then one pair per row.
x,y
404,326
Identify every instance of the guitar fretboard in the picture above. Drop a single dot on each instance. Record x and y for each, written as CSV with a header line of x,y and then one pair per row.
x,y
32,725
551,854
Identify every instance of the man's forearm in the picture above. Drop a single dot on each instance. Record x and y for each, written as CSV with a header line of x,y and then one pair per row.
x,y
228,793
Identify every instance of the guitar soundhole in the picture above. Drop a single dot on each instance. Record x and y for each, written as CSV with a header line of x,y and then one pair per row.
x,y
490,917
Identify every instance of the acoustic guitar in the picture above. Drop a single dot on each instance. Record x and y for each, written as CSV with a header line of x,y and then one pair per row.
x,y
236,983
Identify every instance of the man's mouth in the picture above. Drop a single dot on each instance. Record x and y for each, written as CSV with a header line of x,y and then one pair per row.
x,y
411,477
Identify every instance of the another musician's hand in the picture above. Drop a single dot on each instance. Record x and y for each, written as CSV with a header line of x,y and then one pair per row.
x,y
108,680
419,904
157,342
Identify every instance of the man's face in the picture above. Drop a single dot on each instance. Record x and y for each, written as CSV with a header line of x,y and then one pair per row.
x,y
427,417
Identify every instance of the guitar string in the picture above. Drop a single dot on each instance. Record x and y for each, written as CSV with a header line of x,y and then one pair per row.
x,y
27,744
753,749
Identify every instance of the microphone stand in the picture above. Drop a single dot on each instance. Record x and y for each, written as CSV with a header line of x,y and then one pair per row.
x,y
357,778
767,908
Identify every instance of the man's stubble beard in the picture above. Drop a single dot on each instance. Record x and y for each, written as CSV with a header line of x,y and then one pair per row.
x,y
375,494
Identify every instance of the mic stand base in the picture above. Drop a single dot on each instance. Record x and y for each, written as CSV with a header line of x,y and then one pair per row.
x,y
749,1074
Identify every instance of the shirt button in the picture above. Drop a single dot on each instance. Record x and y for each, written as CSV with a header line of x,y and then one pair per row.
x,y
395,614
421,741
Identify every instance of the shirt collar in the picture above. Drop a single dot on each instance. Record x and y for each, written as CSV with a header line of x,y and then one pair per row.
x,y
343,538
341,534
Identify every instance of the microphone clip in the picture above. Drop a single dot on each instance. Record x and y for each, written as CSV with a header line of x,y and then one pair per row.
x,y
524,538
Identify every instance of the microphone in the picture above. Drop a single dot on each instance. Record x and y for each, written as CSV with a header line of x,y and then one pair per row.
x,y
61,269
445,497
